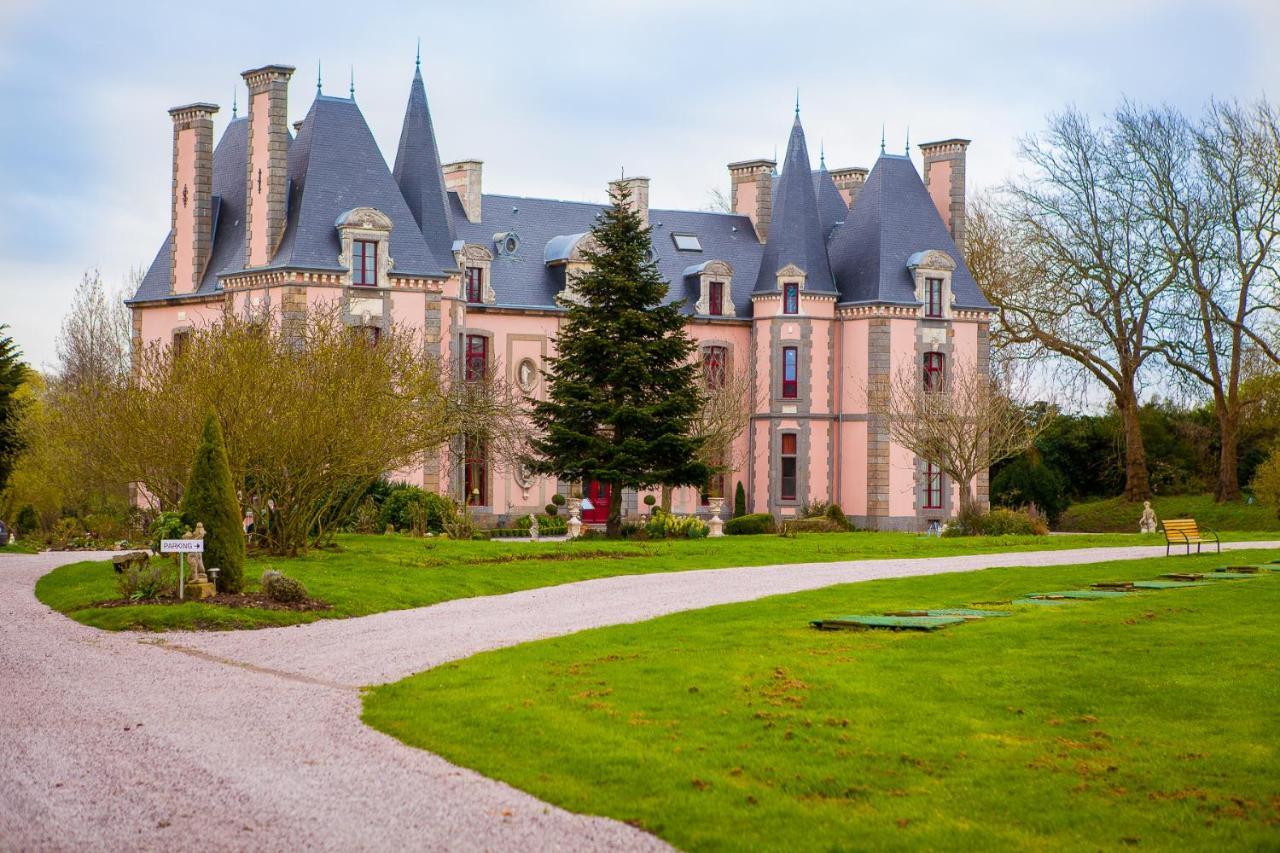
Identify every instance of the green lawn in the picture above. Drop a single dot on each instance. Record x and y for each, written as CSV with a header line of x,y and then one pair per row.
x,y
371,574
1147,720
1116,515
21,546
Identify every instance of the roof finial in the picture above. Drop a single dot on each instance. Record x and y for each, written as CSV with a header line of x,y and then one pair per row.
x,y
907,149
881,137
797,102
417,59
318,92
822,154
234,109
352,90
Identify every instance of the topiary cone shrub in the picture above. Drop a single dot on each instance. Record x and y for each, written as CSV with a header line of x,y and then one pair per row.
x,y
210,499
739,501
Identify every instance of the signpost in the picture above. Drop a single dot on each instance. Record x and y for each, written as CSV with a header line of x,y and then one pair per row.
x,y
181,547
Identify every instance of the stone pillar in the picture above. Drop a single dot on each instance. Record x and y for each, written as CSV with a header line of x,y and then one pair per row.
x,y
639,201
944,178
751,192
463,178
849,182
191,197
267,191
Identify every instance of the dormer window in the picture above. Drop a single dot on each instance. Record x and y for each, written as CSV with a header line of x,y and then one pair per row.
x,y
715,288
364,263
933,297
791,297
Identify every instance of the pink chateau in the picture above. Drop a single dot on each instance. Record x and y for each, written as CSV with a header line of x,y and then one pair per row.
x,y
819,282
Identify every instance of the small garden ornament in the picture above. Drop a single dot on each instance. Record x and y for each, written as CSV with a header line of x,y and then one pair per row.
x,y
1148,522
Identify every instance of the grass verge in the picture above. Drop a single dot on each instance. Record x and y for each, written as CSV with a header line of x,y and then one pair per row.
x,y
372,574
1144,720
1116,515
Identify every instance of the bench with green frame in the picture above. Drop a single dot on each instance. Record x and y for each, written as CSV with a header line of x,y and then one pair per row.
x,y
1185,531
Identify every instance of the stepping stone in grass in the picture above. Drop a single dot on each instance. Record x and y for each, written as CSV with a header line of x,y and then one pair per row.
x,y
1123,586
1206,576
1167,584
962,612
892,623
1078,594
1048,601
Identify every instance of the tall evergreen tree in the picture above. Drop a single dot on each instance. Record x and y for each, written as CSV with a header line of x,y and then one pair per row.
x,y
12,374
210,499
622,392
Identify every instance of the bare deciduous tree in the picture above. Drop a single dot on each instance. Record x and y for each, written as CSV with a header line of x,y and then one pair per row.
x,y
1213,187
964,427
1076,268
728,401
93,343
312,414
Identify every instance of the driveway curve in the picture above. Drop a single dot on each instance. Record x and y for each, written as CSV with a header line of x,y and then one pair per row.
x,y
252,740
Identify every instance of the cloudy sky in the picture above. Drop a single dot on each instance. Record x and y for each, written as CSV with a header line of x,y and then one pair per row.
x,y
557,97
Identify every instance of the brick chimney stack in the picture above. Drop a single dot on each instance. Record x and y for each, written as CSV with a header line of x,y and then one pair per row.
x,y
751,192
464,178
191,203
944,178
266,197
639,201
849,182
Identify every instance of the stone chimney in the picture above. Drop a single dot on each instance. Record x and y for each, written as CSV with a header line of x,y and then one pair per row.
x,y
849,182
751,192
191,204
267,193
639,201
463,178
944,178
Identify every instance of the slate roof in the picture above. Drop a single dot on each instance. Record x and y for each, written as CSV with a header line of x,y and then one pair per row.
x,y
831,207
892,218
523,280
795,232
417,171
334,166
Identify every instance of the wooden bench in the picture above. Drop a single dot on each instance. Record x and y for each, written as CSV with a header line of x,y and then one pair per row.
x,y
1185,531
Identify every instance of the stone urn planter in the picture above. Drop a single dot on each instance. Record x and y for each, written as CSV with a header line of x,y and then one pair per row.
x,y
715,524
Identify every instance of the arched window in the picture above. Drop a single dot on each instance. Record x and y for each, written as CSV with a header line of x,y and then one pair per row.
x,y
790,373
934,371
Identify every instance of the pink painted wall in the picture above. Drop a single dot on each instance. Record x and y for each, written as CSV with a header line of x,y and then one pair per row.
x,y
184,176
940,189
259,157
746,200
159,323
902,468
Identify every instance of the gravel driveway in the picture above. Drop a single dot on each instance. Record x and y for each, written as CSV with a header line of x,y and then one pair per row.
x,y
252,740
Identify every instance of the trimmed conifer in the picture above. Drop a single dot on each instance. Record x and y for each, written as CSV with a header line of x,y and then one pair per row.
x,y
739,501
622,391
210,499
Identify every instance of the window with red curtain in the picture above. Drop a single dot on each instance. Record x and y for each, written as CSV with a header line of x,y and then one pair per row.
x,y
791,297
714,364
475,473
475,284
787,490
932,487
934,371
933,297
477,357
790,371
364,263
715,298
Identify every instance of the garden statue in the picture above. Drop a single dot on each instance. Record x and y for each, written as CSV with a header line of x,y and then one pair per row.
x,y
533,527
575,518
1148,522
195,561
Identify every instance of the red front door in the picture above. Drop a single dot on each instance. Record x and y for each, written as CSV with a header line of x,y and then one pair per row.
x,y
599,494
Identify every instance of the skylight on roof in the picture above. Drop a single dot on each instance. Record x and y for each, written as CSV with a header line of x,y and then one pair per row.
x,y
687,242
